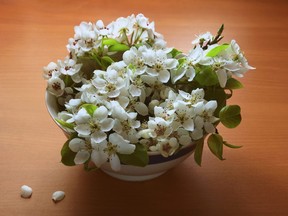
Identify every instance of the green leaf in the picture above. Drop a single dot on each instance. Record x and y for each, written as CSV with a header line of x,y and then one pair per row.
x,y
65,124
230,116
66,153
215,144
109,41
106,61
138,158
175,52
198,151
230,145
90,108
206,76
215,51
118,48
233,84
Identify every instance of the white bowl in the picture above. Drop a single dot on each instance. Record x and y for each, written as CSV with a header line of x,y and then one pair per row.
x,y
157,163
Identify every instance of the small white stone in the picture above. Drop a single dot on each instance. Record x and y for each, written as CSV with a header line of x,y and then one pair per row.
x,y
26,191
58,196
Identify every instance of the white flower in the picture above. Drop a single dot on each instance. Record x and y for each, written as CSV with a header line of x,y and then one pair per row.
x,y
56,86
94,126
159,128
69,67
203,38
204,116
108,82
127,128
196,96
117,111
166,147
239,55
159,64
85,37
187,68
73,104
83,148
155,88
182,136
183,116
166,114
135,58
51,70
102,29
220,64
108,151
122,25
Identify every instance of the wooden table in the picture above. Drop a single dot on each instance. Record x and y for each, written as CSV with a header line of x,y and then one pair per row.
x,y
252,181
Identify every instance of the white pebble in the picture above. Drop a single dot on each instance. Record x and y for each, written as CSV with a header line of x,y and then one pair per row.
x,y
26,191
58,196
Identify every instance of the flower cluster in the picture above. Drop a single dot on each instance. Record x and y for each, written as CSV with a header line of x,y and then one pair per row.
x,y
121,89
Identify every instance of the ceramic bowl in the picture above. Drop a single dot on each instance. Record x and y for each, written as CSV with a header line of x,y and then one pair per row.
x,y
157,163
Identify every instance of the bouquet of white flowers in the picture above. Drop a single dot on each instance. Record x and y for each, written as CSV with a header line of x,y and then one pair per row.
x,y
121,93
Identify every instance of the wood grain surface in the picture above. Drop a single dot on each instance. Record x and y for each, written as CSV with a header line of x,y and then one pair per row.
x,y
252,181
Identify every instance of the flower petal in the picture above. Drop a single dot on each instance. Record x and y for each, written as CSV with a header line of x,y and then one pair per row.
x,y
98,136
190,73
76,144
170,63
115,162
189,124
124,147
99,157
107,124
83,129
164,76
81,157
222,77
101,113
134,91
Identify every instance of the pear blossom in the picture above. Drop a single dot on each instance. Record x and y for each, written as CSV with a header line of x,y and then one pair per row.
x,y
69,67
166,147
127,128
102,29
203,38
107,150
135,58
187,69
204,116
122,25
159,128
56,86
183,116
159,64
83,148
196,96
50,70
183,136
108,83
94,126
86,36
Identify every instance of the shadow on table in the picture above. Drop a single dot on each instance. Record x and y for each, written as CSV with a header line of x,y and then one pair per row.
x,y
181,191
